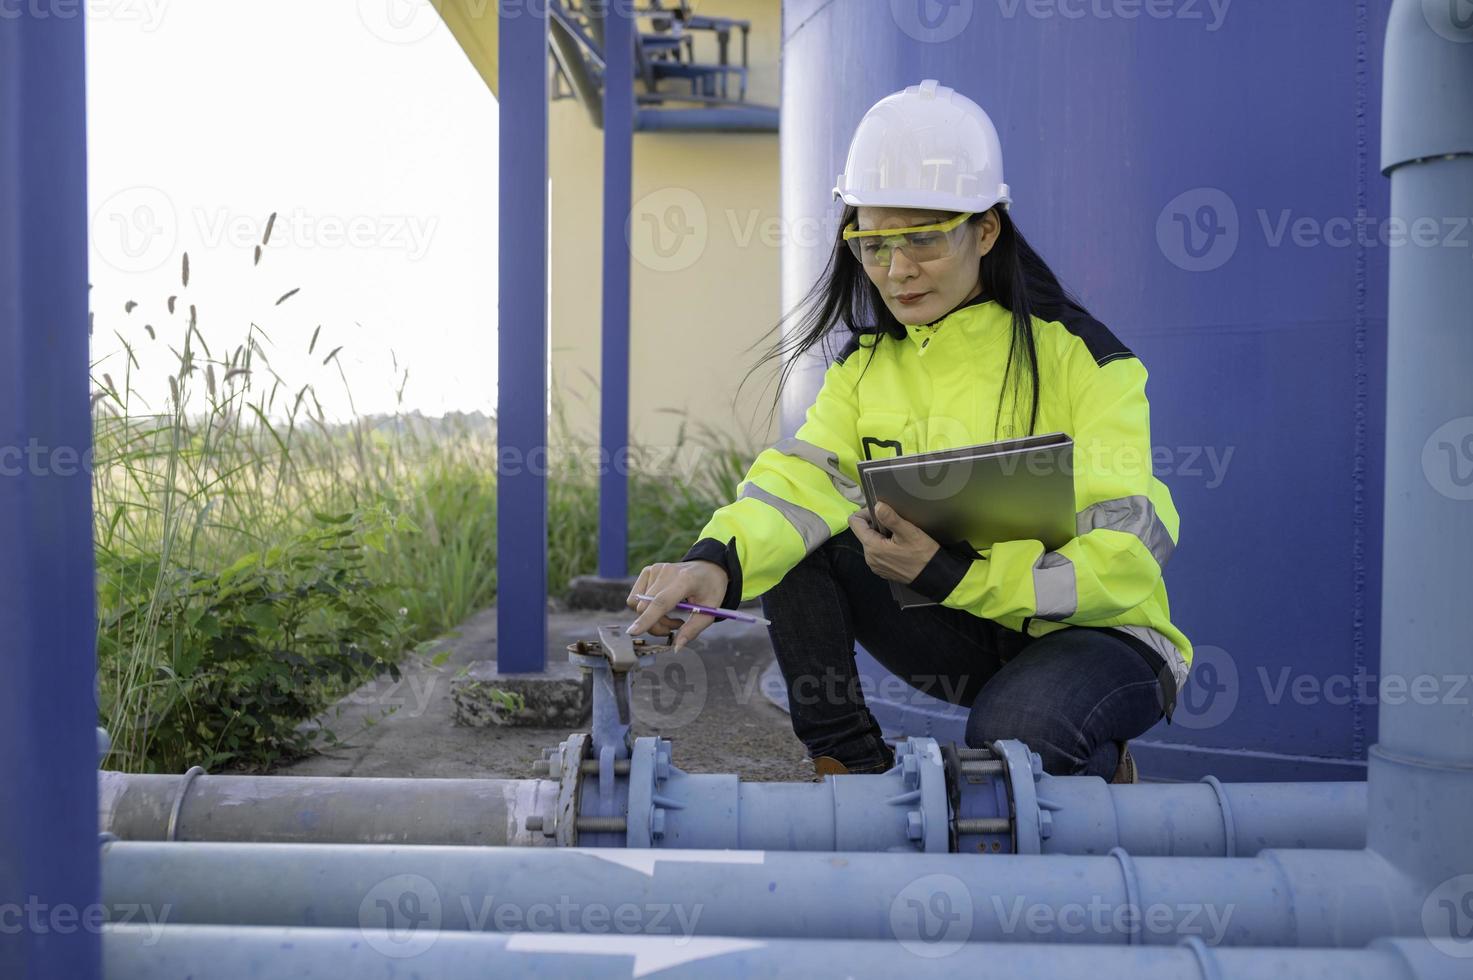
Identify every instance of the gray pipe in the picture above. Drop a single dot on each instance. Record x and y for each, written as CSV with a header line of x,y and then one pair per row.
x,y
1279,898
305,809
1421,769
138,952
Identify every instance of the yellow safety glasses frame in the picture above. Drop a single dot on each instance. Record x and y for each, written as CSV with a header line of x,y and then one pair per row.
x,y
922,243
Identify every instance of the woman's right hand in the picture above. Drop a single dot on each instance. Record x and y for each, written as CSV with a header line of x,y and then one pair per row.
x,y
698,581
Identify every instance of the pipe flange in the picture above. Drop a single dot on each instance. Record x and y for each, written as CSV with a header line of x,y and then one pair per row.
x,y
570,784
1018,760
642,765
171,829
1132,892
980,798
1229,831
934,804
923,778
951,764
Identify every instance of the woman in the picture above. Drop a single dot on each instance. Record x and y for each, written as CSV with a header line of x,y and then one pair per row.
x,y
1072,651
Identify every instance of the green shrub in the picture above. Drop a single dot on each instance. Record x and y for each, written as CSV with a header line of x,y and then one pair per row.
x,y
224,665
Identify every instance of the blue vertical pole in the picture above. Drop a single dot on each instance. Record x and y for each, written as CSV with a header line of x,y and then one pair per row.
x,y
521,342
613,496
48,716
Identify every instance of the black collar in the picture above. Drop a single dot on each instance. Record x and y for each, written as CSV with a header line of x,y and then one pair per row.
x,y
980,298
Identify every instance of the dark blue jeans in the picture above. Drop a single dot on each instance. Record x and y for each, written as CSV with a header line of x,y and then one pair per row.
x,y
1070,695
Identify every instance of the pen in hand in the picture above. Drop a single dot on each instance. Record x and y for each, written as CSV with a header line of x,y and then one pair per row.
x,y
711,611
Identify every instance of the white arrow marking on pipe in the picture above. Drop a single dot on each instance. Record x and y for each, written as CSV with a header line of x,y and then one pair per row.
x,y
642,859
651,954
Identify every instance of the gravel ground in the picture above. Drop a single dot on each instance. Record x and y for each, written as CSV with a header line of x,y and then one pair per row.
x,y
708,702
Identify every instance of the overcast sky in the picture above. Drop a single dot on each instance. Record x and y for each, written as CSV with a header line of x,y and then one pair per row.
x,y
363,125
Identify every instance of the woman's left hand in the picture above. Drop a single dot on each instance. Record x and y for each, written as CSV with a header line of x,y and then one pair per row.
x,y
899,557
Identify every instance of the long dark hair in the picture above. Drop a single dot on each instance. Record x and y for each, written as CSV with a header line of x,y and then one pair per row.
x,y
844,304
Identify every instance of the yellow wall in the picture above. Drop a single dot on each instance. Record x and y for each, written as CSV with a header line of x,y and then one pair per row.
x,y
705,237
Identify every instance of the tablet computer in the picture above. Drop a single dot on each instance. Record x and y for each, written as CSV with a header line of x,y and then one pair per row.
x,y
971,497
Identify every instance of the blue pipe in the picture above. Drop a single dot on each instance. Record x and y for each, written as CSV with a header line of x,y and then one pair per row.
x,y
47,618
136,952
1205,819
747,119
1278,898
844,813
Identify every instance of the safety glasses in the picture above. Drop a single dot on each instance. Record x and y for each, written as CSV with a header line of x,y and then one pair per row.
x,y
922,243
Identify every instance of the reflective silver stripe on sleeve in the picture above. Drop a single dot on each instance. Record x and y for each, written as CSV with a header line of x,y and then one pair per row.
x,y
1159,642
1054,592
1133,515
826,461
813,529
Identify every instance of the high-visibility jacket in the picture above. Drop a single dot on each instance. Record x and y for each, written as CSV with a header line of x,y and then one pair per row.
x,y
939,389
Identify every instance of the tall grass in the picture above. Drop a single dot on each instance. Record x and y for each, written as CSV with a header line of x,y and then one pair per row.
x,y
244,541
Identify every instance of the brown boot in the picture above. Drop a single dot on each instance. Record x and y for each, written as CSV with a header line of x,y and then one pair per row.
x,y
1126,771
827,765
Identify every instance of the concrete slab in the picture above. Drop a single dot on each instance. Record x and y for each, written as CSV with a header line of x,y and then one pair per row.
x,y
557,698
593,592
708,700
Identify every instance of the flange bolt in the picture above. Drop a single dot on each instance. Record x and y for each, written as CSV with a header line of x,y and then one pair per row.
x,y
910,770
915,825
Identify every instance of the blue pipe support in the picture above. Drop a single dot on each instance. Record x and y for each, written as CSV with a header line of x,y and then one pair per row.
x,y
1338,899
139,952
521,342
1421,769
618,128
47,589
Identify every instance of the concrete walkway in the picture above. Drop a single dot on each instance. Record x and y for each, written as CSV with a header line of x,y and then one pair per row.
x,y
708,701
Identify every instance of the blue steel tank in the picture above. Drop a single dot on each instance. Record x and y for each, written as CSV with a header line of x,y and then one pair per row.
x,y
1204,175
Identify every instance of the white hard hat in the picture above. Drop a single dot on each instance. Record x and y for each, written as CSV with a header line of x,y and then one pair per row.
x,y
927,146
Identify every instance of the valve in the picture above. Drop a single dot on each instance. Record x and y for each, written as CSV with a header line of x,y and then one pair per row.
x,y
609,667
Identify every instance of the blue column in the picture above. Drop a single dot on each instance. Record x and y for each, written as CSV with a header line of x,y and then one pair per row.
x,y
521,342
48,623
613,496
